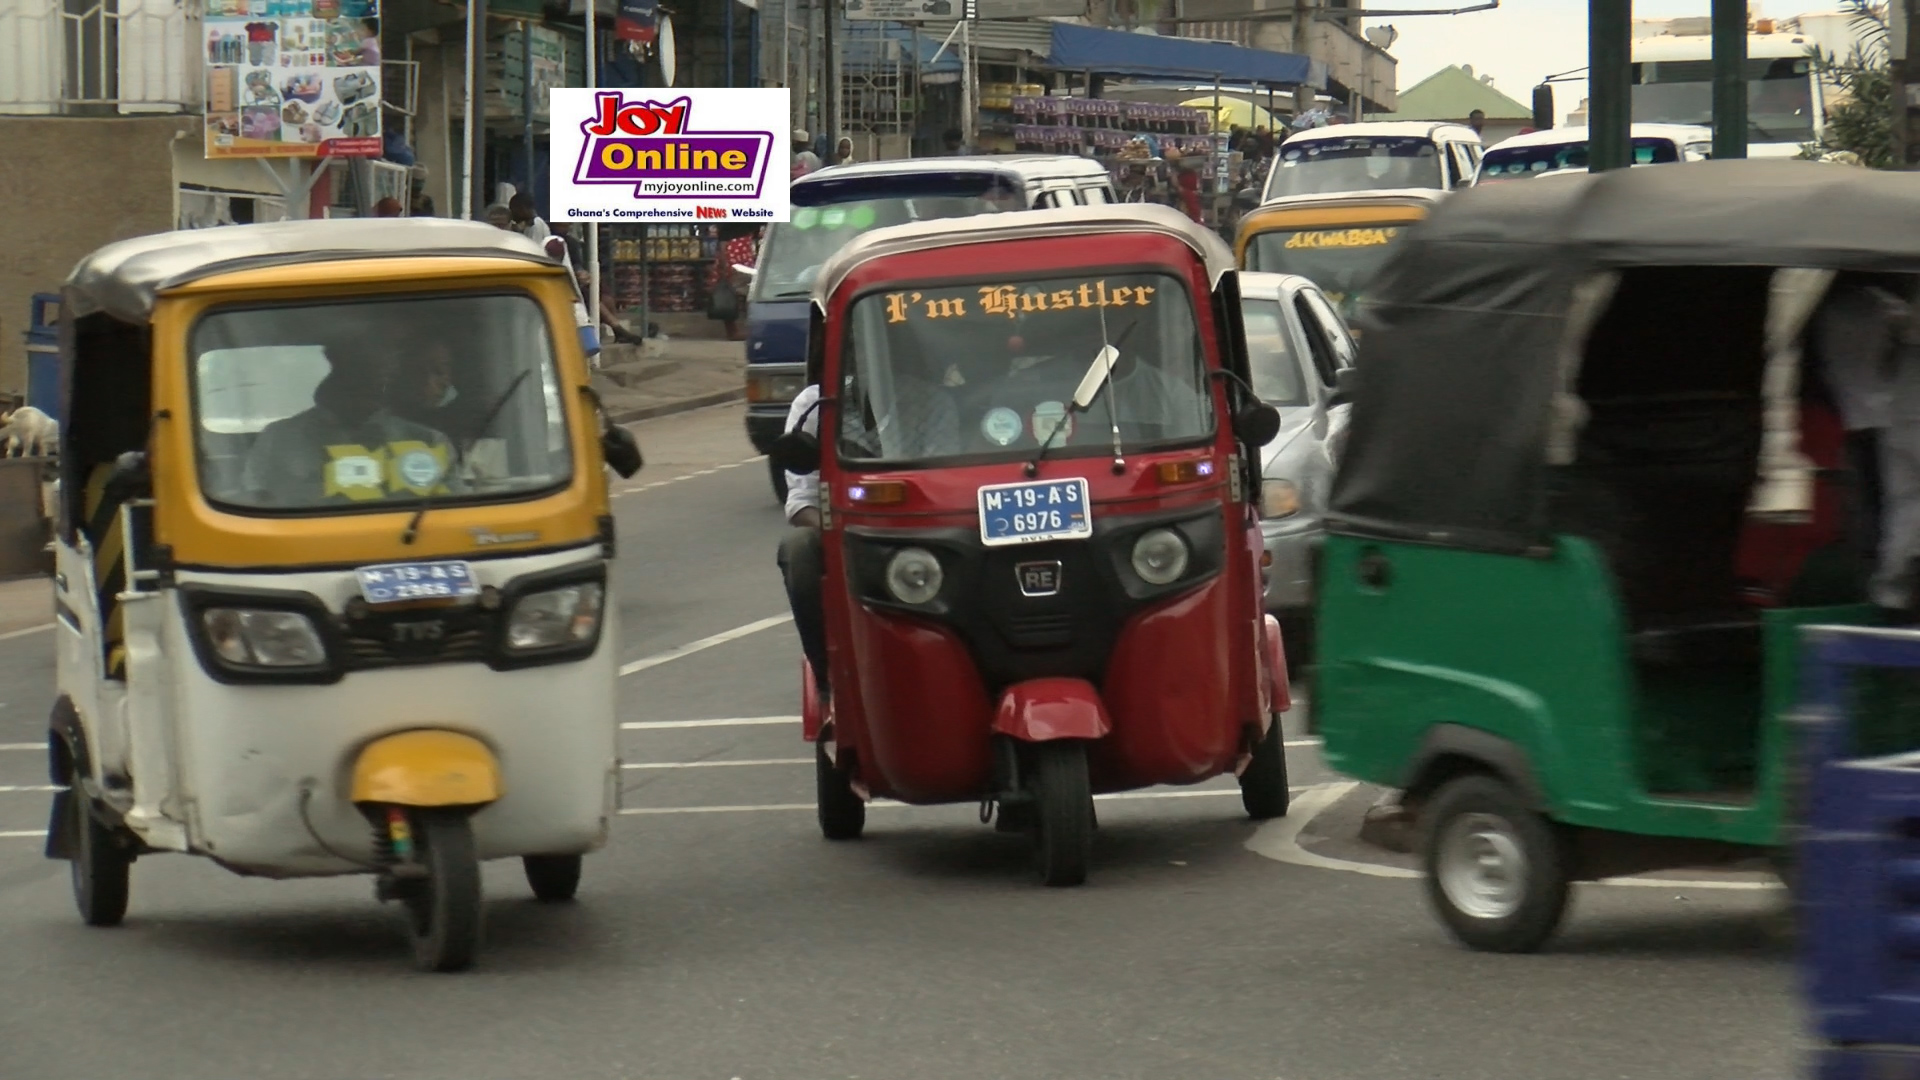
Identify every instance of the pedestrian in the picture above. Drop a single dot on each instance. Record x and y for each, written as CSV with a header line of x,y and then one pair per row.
x,y
500,217
1477,120
388,207
843,154
955,143
798,146
422,202
805,162
738,246
801,562
1186,185
525,222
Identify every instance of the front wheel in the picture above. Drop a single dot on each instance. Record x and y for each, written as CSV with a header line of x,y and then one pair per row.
x,y
1063,812
444,911
843,814
1496,870
101,867
1263,786
554,878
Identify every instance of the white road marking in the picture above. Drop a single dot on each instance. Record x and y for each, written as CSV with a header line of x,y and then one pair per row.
x,y
707,764
27,746
23,834
15,789
889,804
705,643
40,629
636,489
1280,841
731,721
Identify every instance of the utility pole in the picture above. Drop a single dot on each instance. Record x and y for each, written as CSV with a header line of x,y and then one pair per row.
x,y
1903,44
1302,27
1609,84
1729,78
830,74
476,133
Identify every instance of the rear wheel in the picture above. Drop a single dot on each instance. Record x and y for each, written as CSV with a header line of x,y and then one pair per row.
x,y
101,867
1263,786
444,910
1496,870
779,477
843,814
554,878
1063,812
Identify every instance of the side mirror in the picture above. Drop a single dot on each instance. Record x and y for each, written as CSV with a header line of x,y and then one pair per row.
x,y
1256,424
796,452
1247,198
621,450
1344,385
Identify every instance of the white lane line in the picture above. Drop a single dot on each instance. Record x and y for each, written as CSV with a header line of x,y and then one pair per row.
x,y
636,489
23,834
17,789
706,764
11,634
731,721
889,804
705,643
24,746
1280,841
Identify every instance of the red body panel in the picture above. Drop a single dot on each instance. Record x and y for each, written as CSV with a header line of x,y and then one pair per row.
x,y
1279,680
1040,710
1772,554
1188,681
812,716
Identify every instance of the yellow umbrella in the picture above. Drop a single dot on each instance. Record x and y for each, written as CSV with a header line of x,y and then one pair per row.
x,y
1234,111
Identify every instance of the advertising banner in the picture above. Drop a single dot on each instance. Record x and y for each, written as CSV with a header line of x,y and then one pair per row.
x,y
670,155
638,21
293,78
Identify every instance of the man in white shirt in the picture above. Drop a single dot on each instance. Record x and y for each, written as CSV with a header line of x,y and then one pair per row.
x,y
800,559
525,221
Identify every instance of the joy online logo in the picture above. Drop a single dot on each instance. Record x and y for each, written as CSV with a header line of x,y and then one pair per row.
x,y
644,141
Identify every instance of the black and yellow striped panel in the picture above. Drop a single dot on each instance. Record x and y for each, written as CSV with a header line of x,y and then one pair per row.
x,y
109,568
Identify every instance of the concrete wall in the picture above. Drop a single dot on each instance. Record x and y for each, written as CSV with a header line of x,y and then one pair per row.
x,y
74,184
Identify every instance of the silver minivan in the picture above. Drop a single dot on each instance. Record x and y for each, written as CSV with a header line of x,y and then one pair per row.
x,y
1374,156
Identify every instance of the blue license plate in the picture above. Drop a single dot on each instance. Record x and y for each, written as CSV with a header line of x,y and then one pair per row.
x,y
1036,510
395,583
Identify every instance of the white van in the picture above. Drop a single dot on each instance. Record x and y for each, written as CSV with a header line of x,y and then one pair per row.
x,y
1564,150
1374,157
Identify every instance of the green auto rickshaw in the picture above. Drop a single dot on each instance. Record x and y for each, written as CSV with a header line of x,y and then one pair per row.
x,y
1588,497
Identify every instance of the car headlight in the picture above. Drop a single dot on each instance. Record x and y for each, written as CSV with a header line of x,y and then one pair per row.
x,y
1279,499
914,576
250,638
764,389
556,617
1160,557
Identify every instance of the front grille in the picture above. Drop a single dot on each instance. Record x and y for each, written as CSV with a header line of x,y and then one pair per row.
x,y
380,652
1041,631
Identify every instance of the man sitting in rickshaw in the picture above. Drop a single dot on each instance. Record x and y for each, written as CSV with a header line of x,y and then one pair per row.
x,y
350,446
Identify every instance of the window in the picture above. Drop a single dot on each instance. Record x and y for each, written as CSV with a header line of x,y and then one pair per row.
x,y
1341,261
1339,341
988,370
1526,162
1318,345
1279,377
1462,163
369,402
1095,194
1780,103
1313,166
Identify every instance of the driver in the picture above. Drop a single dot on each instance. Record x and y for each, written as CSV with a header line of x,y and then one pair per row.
x,y
338,449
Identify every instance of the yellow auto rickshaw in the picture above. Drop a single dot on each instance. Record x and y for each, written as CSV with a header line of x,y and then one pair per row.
x,y
331,566
1338,242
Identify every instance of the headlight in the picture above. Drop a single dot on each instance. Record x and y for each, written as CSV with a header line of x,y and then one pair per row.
x,y
762,389
1279,499
545,620
249,638
914,576
1160,557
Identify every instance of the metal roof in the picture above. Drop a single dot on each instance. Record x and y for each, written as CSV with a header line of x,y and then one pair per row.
x,y
1025,165
1107,218
1390,128
123,279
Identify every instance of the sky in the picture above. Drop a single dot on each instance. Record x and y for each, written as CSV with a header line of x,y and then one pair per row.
x,y
1524,41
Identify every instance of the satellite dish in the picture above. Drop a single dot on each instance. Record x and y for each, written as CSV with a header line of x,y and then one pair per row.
x,y
664,49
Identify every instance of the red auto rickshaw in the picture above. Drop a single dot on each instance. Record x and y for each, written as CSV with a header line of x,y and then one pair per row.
x,y
1038,463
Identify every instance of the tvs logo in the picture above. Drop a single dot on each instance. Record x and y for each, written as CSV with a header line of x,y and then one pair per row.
x,y
652,146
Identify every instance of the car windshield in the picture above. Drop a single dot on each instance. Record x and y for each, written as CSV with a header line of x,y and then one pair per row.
x,y
838,211
1779,96
361,403
1526,162
1277,376
1341,261
988,370
1369,163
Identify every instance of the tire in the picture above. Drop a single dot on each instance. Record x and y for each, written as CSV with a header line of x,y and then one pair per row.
x,y
1480,823
843,816
1263,786
779,478
101,867
1063,813
554,878
444,912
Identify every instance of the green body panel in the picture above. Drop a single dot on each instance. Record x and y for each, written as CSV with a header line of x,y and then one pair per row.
x,y
1535,652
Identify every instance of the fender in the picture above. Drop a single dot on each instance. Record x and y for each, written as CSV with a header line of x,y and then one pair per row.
x,y
426,768
68,767
1279,680
1042,710
812,716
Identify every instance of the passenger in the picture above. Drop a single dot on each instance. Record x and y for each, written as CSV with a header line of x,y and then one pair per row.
x,y
1856,336
339,449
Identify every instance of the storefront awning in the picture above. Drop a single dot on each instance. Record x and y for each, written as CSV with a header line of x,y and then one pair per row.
x,y
1115,52
877,47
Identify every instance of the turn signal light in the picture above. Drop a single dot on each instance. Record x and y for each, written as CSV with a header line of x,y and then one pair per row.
x,y
1185,472
878,493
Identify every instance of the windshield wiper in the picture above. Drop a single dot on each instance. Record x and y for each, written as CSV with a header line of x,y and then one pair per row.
x,y
420,509
1097,376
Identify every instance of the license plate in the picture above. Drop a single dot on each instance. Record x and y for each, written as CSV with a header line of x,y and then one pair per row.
x,y
395,583
1036,510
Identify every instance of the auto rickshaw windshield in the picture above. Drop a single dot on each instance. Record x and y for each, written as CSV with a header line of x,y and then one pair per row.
x,y
991,368
1341,261
362,403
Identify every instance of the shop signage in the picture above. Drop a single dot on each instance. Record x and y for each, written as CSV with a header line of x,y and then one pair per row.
x,y
907,10
637,21
669,155
293,78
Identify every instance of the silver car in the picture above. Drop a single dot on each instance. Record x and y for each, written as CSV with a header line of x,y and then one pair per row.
x,y
1298,346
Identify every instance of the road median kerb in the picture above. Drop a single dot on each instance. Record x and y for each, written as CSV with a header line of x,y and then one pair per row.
x,y
678,405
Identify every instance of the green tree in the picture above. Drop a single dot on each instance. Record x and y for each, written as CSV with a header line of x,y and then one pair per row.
x,y
1861,114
